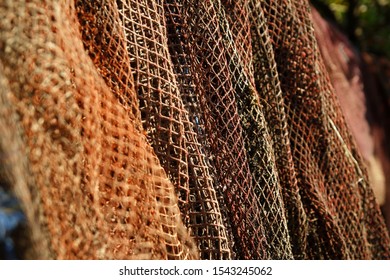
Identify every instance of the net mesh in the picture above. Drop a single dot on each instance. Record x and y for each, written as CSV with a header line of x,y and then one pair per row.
x,y
179,130
359,80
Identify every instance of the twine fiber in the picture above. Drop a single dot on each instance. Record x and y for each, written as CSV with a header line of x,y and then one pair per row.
x,y
179,130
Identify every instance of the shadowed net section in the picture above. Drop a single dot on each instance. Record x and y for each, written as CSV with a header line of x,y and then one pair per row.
x,y
224,128
258,142
185,129
268,86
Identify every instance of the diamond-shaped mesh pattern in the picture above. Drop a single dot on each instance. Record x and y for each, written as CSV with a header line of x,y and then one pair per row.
x,y
184,129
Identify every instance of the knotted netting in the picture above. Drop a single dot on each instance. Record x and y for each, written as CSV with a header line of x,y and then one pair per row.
x,y
179,130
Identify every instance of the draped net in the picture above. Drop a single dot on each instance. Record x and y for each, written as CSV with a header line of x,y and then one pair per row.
x,y
179,130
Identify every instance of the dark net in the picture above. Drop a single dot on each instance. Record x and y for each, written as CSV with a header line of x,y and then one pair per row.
x,y
179,130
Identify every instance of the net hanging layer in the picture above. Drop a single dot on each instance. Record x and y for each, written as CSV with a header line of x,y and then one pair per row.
x,y
179,130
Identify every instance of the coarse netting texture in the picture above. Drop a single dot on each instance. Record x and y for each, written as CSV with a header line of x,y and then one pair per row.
x,y
179,130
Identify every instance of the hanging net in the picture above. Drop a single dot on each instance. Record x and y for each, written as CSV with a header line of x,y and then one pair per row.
x,y
179,130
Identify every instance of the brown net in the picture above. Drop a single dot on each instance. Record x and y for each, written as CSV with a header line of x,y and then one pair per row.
x,y
361,83
179,130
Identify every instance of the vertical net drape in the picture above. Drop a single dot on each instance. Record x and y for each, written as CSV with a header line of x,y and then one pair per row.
x,y
179,130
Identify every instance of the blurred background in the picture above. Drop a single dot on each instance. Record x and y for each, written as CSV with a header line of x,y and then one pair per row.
x,y
365,22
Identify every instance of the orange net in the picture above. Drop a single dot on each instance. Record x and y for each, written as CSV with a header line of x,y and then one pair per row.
x,y
179,130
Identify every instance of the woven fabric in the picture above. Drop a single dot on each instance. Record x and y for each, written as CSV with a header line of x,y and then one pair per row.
x,y
179,130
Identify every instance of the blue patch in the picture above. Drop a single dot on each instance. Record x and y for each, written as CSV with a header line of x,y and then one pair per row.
x,y
11,216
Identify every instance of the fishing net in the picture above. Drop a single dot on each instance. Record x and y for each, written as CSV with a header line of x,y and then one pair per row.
x,y
179,130
361,84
